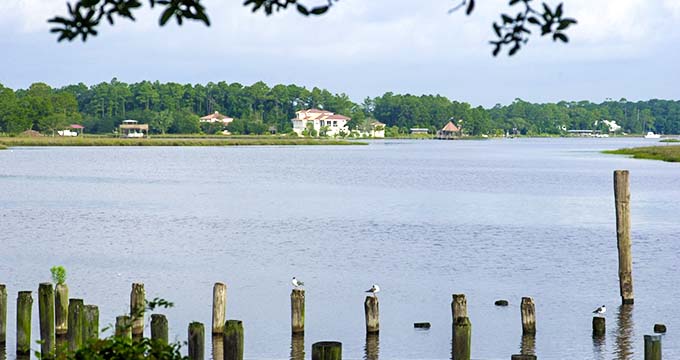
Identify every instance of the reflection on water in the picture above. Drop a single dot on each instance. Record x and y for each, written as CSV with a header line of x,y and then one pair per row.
x,y
297,347
3,353
217,347
528,345
599,347
23,356
624,333
372,349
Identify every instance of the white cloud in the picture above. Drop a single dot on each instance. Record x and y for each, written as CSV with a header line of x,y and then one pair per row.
x,y
30,15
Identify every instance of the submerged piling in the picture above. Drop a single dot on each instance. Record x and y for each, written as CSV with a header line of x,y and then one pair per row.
x,y
523,357
297,311
528,316
622,203
327,350
372,313
123,327
24,311
159,328
46,315
652,347
599,327
233,340
137,306
461,328
196,339
219,315
61,309
3,314
75,324
90,322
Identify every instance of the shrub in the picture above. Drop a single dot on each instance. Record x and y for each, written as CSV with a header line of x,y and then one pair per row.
x,y
58,274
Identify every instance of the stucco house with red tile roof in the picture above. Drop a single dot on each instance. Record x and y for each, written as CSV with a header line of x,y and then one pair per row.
x,y
216,117
334,123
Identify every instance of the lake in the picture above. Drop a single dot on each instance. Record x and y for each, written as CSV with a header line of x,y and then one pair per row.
x,y
497,219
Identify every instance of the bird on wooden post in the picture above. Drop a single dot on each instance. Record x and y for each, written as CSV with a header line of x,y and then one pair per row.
x,y
600,310
297,283
374,289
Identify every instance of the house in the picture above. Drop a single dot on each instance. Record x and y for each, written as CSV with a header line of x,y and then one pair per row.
x,y
420,130
449,131
133,129
321,121
77,130
377,129
216,117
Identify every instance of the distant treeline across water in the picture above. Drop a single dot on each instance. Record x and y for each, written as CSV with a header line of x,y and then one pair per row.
x,y
259,108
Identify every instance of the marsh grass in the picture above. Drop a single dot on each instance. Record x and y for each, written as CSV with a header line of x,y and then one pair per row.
x,y
98,141
670,153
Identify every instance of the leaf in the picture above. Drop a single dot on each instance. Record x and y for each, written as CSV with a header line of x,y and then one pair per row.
x,y
497,29
558,11
470,8
506,19
514,50
561,37
167,14
534,20
302,10
513,2
319,10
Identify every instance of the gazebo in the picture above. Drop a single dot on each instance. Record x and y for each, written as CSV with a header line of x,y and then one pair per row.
x,y
449,131
133,129
77,128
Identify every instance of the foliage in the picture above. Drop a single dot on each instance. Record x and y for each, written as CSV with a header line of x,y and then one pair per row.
x,y
95,141
85,16
117,348
58,274
665,153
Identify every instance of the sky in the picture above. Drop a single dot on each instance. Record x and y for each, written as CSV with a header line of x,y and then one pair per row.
x,y
619,49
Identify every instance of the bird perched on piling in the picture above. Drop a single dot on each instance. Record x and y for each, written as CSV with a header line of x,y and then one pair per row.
x,y
600,310
374,289
297,283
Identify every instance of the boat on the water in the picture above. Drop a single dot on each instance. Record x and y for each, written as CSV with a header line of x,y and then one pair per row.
x,y
652,135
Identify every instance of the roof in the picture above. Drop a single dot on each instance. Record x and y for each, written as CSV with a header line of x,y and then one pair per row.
x,y
337,117
216,115
450,127
377,123
76,126
316,114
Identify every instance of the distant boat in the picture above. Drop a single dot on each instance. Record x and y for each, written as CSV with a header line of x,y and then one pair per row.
x,y
652,135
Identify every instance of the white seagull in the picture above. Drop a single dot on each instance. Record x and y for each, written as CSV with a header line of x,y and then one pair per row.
x,y
601,310
374,289
297,283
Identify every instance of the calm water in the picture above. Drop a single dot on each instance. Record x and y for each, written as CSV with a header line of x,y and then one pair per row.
x,y
424,219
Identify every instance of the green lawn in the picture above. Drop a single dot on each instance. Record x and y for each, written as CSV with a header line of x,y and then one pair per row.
x,y
669,153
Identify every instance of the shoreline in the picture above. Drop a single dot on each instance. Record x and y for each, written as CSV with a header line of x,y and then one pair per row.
x,y
668,153
6,142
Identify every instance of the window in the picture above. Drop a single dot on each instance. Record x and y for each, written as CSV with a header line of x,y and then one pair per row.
x,y
335,123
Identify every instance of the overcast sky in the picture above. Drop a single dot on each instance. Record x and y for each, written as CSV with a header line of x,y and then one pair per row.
x,y
620,48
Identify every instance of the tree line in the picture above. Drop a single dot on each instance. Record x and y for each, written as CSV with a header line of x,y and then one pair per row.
x,y
257,109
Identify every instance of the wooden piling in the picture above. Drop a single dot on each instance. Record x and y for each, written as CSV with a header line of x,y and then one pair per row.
x,y
458,306
75,324
372,312
622,203
462,334
61,309
3,314
233,340
123,327
46,315
159,328
599,328
297,347
90,323
297,311
137,306
528,316
523,357
327,350
218,347
196,339
24,311
219,315
652,347
372,348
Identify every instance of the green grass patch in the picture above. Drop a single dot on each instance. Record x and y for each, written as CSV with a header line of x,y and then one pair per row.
x,y
3,147
670,141
670,153
96,141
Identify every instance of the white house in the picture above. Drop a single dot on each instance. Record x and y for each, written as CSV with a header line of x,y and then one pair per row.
x,y
216,117
332,123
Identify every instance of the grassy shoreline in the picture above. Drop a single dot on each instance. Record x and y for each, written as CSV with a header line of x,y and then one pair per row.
x,y
96,141
670,153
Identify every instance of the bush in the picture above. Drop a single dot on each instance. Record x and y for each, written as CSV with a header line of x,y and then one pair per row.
x,y
58,274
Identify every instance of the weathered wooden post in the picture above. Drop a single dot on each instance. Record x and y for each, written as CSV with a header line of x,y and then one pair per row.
x,y
233,340
137,306
327,350
297,311
599,327
528,316
3,314
622,203
462,334
90,323
219,315
458,306
652,347
61,309
523,357
372,349
297,347
159,328
46,315
24,310
196,341
75,324
528,344
218,347
372,312
123,327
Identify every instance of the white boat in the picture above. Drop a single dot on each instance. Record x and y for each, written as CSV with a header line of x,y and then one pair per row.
x,y
652,135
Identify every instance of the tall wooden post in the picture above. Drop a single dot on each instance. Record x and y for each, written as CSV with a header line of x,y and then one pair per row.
x,y
458,306
75,324
297,311
196,341
599,326
123,326
46,315
297,347
462,335
372,313
159,328
61,308
90,322
652,347
622,202
233,340
24,310
372,348
137,306
528,316
219,315
3,314
327,350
